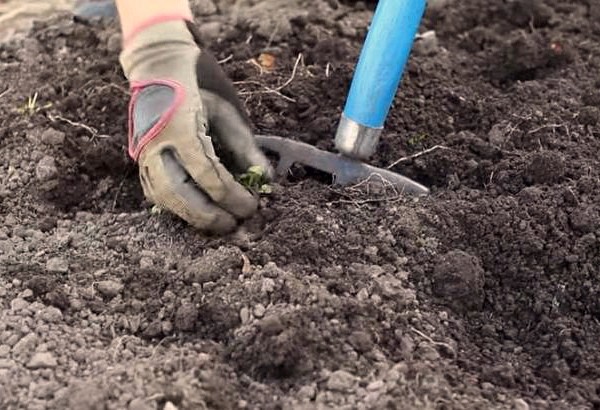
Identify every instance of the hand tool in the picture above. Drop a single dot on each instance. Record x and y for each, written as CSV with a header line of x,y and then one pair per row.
x,y
376,79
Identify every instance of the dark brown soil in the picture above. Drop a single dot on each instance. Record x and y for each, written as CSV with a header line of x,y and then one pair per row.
x,y
483,295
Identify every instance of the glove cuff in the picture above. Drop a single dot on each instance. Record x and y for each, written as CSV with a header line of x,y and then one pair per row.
x,y
156,20
152,50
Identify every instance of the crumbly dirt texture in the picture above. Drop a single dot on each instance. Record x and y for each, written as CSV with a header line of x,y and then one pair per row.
x,y
484,295
18,15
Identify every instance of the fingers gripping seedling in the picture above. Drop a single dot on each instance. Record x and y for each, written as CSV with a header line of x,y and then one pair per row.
x,y
256,179
179,95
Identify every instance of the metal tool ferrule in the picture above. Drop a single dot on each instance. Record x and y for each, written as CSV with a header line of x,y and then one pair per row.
x,y
356,140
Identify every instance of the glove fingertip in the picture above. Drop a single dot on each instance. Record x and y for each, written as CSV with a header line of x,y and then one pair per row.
x,y
221,226
257,158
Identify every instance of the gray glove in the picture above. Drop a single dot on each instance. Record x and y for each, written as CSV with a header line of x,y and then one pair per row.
x,y
182,103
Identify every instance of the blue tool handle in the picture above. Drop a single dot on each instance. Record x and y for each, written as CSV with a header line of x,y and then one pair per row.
x,y
382,61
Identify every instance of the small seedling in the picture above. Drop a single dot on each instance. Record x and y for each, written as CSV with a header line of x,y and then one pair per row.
x,y
156,210
256,180
31,107
417,140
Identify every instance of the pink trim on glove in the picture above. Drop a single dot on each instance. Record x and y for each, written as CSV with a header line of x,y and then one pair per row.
x,y
163,18
136,88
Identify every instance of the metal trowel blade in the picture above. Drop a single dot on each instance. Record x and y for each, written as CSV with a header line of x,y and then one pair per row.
x,y
345,171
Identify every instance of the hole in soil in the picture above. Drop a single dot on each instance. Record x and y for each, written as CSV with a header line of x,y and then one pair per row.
x,y
301,172
525,75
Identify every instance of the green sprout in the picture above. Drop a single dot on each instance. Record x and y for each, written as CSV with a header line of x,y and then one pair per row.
x,y
31,107
256,180
156,210
417,139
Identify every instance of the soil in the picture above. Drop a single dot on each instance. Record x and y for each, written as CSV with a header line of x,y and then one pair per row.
x,y
18,15
483,295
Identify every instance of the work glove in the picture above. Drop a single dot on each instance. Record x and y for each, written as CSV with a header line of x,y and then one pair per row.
x,y
183,110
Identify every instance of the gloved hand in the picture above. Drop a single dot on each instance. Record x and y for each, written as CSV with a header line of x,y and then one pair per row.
x,y
182,106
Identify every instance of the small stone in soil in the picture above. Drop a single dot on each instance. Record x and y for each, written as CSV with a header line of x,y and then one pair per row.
x,y
307,393
109,288
25,345
113,44
210,30
26,294
42,360
341,381
146,262
167,327
259,310
268,285
18,304
361,341
46,169
362,295
204,7
6,364
390,286
53,137
169,406
376,385
50,314
245,315
57,265
4,350
520,404
426,44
